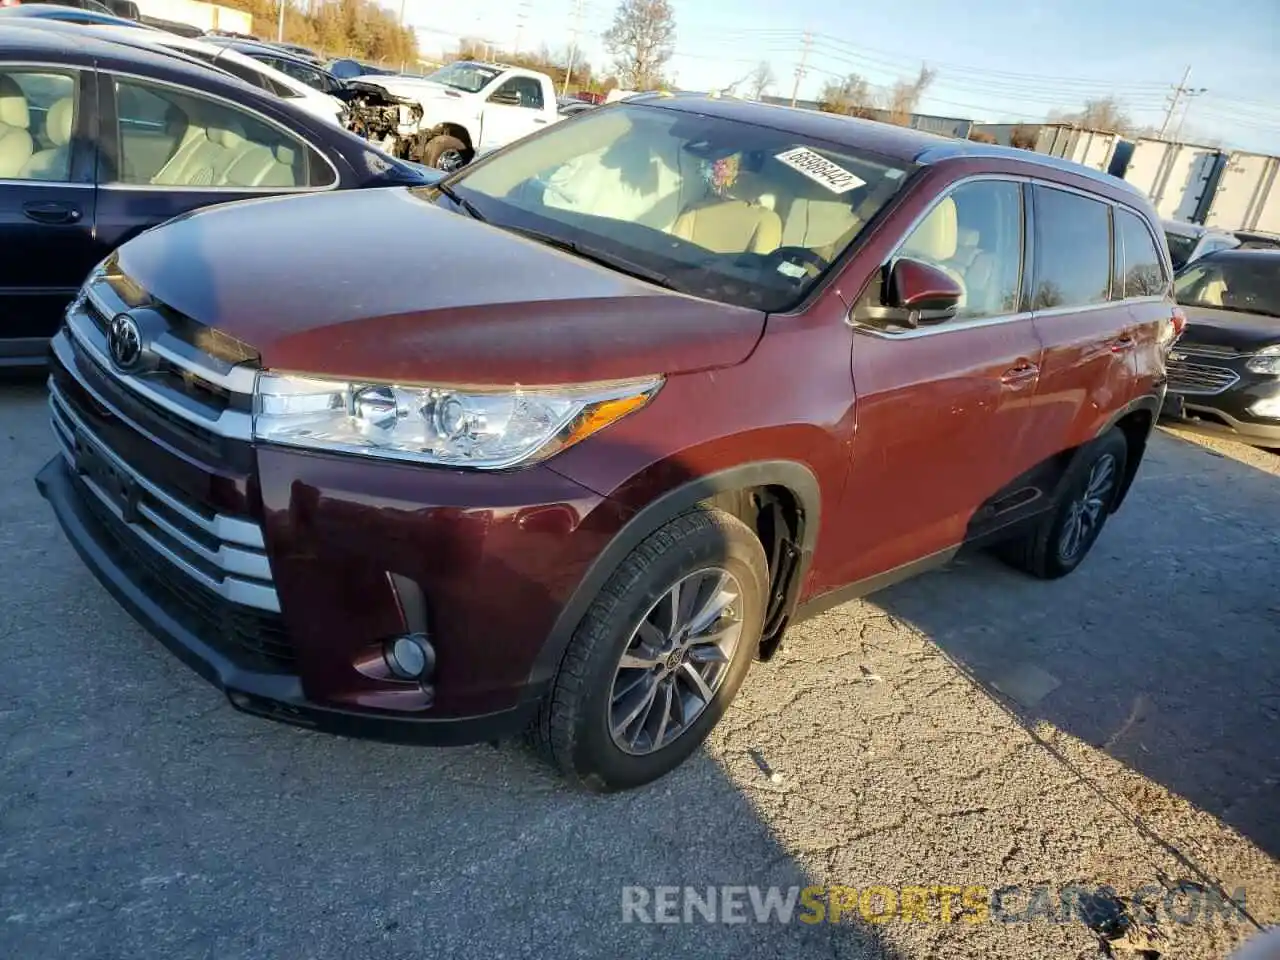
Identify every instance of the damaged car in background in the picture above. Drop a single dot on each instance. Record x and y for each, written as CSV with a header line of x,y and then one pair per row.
x,y
389,122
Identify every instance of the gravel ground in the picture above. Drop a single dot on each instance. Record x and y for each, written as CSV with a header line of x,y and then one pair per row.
x,y
972,727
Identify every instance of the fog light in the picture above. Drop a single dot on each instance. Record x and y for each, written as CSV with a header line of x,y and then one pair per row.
x,y
411,657
1270,407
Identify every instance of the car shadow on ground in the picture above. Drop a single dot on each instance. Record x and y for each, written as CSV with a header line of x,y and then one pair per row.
x,y
144,817
1172,667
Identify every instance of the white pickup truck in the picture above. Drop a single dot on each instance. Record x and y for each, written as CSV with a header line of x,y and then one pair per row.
x,y
467,108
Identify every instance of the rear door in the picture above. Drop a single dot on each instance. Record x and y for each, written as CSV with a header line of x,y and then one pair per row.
x,y
47,202
943,411
168,149
1144,284
1088,336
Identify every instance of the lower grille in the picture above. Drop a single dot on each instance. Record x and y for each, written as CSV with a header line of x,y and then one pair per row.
x,y
253,638
1204,379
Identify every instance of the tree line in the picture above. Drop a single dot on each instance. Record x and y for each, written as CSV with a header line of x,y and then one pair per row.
x,y
362,29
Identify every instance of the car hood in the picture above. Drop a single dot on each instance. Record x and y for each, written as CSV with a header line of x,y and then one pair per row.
x,y
417,88
385,285
1244,332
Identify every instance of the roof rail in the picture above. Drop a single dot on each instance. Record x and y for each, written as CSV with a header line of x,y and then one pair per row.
x,y
966,148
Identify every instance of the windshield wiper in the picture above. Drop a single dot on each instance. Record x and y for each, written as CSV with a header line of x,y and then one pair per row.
x,y
604,259
461,201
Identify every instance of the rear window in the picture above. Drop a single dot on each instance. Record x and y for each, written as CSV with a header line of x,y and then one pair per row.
x,y
722,209
1073,250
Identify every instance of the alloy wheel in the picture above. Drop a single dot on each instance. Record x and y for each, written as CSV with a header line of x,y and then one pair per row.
x,y
675,660
449,161
1085,513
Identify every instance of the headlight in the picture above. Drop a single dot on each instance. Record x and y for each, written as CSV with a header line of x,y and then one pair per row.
x,y
486,429
1266,360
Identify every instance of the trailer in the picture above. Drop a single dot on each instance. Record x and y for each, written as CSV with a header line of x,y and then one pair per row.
x,y
1092,148
1247,196
1178,177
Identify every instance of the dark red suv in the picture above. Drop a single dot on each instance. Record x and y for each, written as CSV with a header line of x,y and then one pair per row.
x,y
564,441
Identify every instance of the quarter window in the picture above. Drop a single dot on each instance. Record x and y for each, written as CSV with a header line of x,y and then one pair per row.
x,y
1143,274
975,235
1073,250
37,117
176,138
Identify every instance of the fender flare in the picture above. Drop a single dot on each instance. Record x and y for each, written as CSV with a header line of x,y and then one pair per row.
x,y
1151,403
791,474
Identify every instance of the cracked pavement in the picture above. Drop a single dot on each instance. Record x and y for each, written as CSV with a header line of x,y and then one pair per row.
x,y
970,727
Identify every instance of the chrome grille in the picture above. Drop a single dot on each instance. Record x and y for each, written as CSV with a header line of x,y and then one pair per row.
x,y
189,384
1190,377
224,555
1206,350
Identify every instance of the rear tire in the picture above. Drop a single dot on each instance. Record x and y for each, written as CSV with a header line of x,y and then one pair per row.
x,y
445,153
1063,538
631,641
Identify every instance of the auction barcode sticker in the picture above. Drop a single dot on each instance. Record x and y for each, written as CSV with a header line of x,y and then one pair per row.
x,y
819,169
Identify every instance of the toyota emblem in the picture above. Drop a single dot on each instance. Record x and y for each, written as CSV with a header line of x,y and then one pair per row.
x,y
124,340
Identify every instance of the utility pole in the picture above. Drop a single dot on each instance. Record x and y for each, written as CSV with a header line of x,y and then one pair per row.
x,y
521,14
573,47
280,26
1191,95
1174,98
800,71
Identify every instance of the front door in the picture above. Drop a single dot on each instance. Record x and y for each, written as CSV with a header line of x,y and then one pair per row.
x,y
168,150
47,203
943,411
514,110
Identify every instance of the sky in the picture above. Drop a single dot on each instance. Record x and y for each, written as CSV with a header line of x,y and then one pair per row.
x,y
996,60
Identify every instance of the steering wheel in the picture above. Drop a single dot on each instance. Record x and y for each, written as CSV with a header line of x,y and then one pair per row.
x,y
801,255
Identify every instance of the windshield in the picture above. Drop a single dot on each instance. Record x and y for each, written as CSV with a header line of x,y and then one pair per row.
x,y
716,208
1246,284
1180,248
470,77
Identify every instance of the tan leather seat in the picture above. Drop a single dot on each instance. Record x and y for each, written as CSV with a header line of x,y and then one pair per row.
x,y
730,226
54,163
936,240
16,145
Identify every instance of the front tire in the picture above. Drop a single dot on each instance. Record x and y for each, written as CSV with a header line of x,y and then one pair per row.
x,y
1063,538
659,655
445,153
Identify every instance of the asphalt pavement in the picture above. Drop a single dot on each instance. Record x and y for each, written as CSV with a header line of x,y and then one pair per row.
x,y
970,728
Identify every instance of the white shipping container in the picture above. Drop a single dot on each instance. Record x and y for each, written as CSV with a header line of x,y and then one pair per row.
x,y
1092,148
206,16
1174,176
1247,197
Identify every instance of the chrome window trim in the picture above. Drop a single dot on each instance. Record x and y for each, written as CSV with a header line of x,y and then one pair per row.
x,y
957,325
112,75
233,424
260,595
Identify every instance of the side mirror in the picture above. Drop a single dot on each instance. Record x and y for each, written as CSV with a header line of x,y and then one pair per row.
x,y
507,98
909,293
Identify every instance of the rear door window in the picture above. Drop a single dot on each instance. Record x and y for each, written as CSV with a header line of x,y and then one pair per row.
x,y
1073,250
1142,274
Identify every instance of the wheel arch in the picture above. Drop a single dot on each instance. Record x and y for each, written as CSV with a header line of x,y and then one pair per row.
x,y
1135,420
779,498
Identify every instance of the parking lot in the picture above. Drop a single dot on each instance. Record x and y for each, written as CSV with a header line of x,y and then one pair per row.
x,y
973,727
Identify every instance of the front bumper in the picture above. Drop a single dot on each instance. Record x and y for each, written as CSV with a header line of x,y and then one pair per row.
x,y
1225,416
275,695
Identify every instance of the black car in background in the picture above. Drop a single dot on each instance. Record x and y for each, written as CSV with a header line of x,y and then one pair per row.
x,y
1224,372
99,141
300,68
344,68
57,11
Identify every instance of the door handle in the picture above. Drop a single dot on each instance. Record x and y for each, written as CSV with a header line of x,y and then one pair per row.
x,y
51,212
1024,371
1122,343
539,119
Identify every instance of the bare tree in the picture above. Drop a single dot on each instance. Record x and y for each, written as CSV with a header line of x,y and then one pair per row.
x,y
981,136
1102,113
1022,137
905,96
761,79
851,95
641,40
